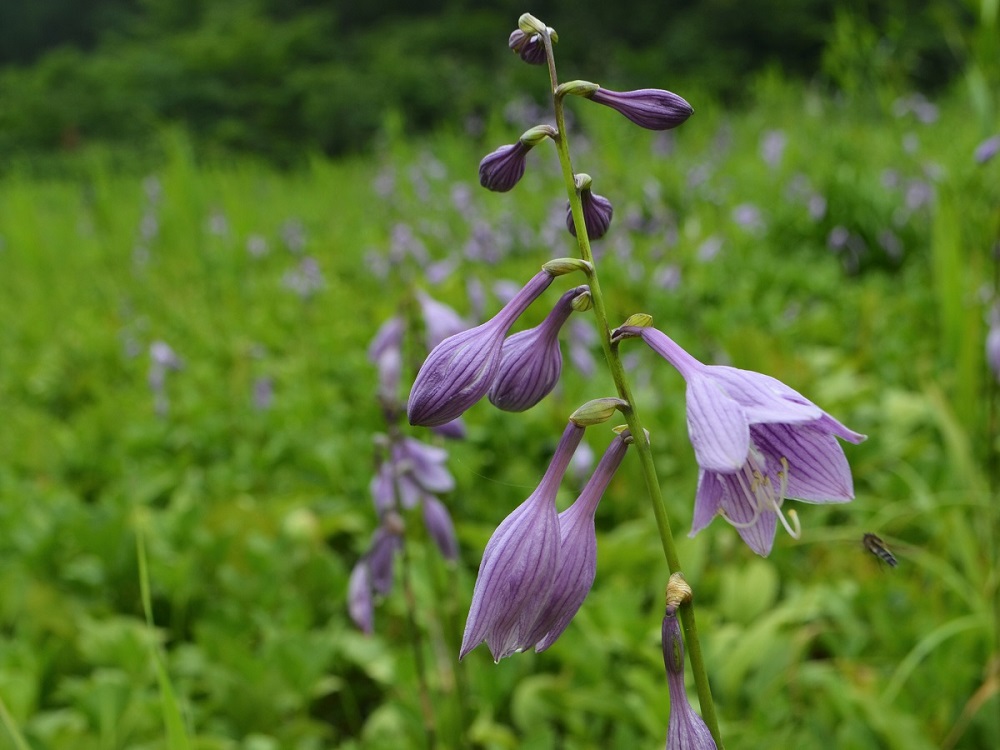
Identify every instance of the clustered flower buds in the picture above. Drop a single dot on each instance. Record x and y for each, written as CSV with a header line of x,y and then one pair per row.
x,y
539,566
531,361
529,46
461,369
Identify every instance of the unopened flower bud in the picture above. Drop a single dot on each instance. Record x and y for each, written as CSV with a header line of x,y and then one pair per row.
x,y
531,361
597,411
440,527
501,170
685,728
530,47
597,213
535,135
653,109
461,369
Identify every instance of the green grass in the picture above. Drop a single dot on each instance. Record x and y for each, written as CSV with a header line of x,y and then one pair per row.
x,y
229,628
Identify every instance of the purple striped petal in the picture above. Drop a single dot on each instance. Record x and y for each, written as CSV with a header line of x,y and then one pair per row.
x,y
717,426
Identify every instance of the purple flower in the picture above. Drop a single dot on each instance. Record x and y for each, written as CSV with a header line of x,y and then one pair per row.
x,y
757,442
501,170
577,550
653,109
531,361
453,430
993,345
685,729
380,557
987,150
597,213
519,565
360,603
529,46
440,321
440,527
460,370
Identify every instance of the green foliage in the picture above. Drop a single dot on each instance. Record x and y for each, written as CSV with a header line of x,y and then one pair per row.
x,y
228,629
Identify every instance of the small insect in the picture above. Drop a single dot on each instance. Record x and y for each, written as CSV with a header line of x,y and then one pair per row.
x,y
877,547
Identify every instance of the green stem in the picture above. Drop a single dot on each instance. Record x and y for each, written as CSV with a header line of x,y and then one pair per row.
x,y
631,414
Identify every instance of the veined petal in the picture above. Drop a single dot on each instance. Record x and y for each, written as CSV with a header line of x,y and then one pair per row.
x,y
818,471
707,502
765,399
754,524
717,426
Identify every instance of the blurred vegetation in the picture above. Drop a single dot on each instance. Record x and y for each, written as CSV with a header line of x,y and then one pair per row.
x,y
278,78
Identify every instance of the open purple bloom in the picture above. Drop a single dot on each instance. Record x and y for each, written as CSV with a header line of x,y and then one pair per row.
x,y
460,370
685,729
653,109
597,213
531,361
519,565
757,442
577,551
501,170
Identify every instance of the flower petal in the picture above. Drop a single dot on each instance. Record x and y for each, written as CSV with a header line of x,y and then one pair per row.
x,y
765,399
818,471
717,426
707,500
739,508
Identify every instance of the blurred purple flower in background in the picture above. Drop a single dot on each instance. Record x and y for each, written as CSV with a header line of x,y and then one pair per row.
x,y
305,279
162,359
986,150
772,147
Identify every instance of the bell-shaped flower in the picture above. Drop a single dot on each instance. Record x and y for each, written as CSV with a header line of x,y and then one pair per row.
x,y
530,47
685,729
440,527
360,603
653,109
460,370
519,565
531,361
757,442
382,553
577,550
597,213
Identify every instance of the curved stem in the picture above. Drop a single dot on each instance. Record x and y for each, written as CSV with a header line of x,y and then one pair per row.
x,y
631,414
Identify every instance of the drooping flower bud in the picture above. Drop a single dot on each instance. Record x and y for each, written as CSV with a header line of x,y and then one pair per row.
x,y
578,550
360,604
461,369
519,564
597,213
597,411
531,361
530,47
685,729
653,109
501,170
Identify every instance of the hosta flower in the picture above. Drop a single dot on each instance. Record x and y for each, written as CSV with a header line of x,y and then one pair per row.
x,y
529,46
531,361
440,527
993,343
685,729
501,170
360,604
597,213
653,109
440,321
757,442
987,149
577,550
519,565
460,370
